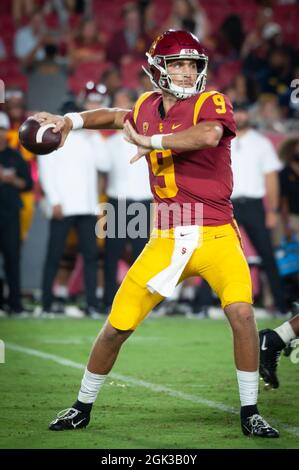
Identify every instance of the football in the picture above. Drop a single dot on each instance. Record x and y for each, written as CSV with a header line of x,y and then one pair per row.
x,y
37,138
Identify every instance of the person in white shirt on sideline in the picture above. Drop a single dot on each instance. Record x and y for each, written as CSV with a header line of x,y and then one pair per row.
x,y
255,166
70,183
126,185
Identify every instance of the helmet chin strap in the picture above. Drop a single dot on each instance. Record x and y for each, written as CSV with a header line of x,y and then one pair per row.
x,y
182,92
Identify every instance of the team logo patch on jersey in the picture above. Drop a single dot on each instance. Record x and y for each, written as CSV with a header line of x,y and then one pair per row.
x,y
145,127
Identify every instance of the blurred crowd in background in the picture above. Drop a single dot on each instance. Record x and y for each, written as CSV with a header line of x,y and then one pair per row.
x,y
68,55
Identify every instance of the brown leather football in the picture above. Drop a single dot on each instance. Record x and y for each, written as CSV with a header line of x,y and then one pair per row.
x,y
37,138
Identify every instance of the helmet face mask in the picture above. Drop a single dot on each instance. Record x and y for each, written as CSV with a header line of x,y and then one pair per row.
x,y
93,96
171,46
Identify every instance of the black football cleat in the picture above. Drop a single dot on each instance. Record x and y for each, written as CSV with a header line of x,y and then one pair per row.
x,y
288,350
271,346
69,419
255,425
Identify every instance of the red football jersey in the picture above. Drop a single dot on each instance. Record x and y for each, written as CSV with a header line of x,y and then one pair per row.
x,y
198,183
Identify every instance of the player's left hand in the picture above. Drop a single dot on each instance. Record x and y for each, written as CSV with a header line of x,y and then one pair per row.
x,y
143,142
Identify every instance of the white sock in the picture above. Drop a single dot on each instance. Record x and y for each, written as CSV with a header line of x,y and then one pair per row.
x,y
248,387
61,291
100,292
286,332
90,386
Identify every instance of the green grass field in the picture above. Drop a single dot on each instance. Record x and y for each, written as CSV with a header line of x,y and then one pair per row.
x,y
173,386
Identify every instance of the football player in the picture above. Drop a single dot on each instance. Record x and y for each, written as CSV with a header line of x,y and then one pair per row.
x,y
272,342
184,134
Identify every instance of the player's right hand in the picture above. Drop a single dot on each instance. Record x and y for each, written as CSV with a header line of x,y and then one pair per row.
x,y
62,124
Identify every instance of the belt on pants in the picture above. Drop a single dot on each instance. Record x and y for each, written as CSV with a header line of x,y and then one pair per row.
x,y
244,200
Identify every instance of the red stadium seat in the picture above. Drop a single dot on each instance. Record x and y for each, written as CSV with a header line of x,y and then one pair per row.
x,y
108,17
9,67
89,71
288,18
52,21
17,80
217,13
6,23
5,7
162,11
130,73
227,72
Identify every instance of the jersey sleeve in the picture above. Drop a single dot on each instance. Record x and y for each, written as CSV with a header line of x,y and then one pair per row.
x,y
130,117
214,106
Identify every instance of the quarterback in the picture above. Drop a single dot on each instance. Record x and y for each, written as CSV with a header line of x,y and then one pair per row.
x,y
184,133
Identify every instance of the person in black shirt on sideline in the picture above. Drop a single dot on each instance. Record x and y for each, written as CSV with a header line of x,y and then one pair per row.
x,y
14,178
289,187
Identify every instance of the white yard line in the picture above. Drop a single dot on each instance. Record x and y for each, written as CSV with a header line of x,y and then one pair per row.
x,y
81,340
141,383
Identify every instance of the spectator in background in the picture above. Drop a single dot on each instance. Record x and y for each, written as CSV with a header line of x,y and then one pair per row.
x,y
29,40
242,90
258,44
3,53
190,16
231,37
145,83
14,178
21,9
279,74
267,114
265,29
16,111
130,43
65,9
69,180
255,168
111,78
86,46
289,187
126,184
47,79
149,18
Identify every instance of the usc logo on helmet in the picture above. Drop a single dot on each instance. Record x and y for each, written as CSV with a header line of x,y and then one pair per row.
x,y
154,44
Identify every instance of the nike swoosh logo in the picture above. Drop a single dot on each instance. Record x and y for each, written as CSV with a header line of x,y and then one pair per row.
x,y
77,424
174,126
264,344
184,234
